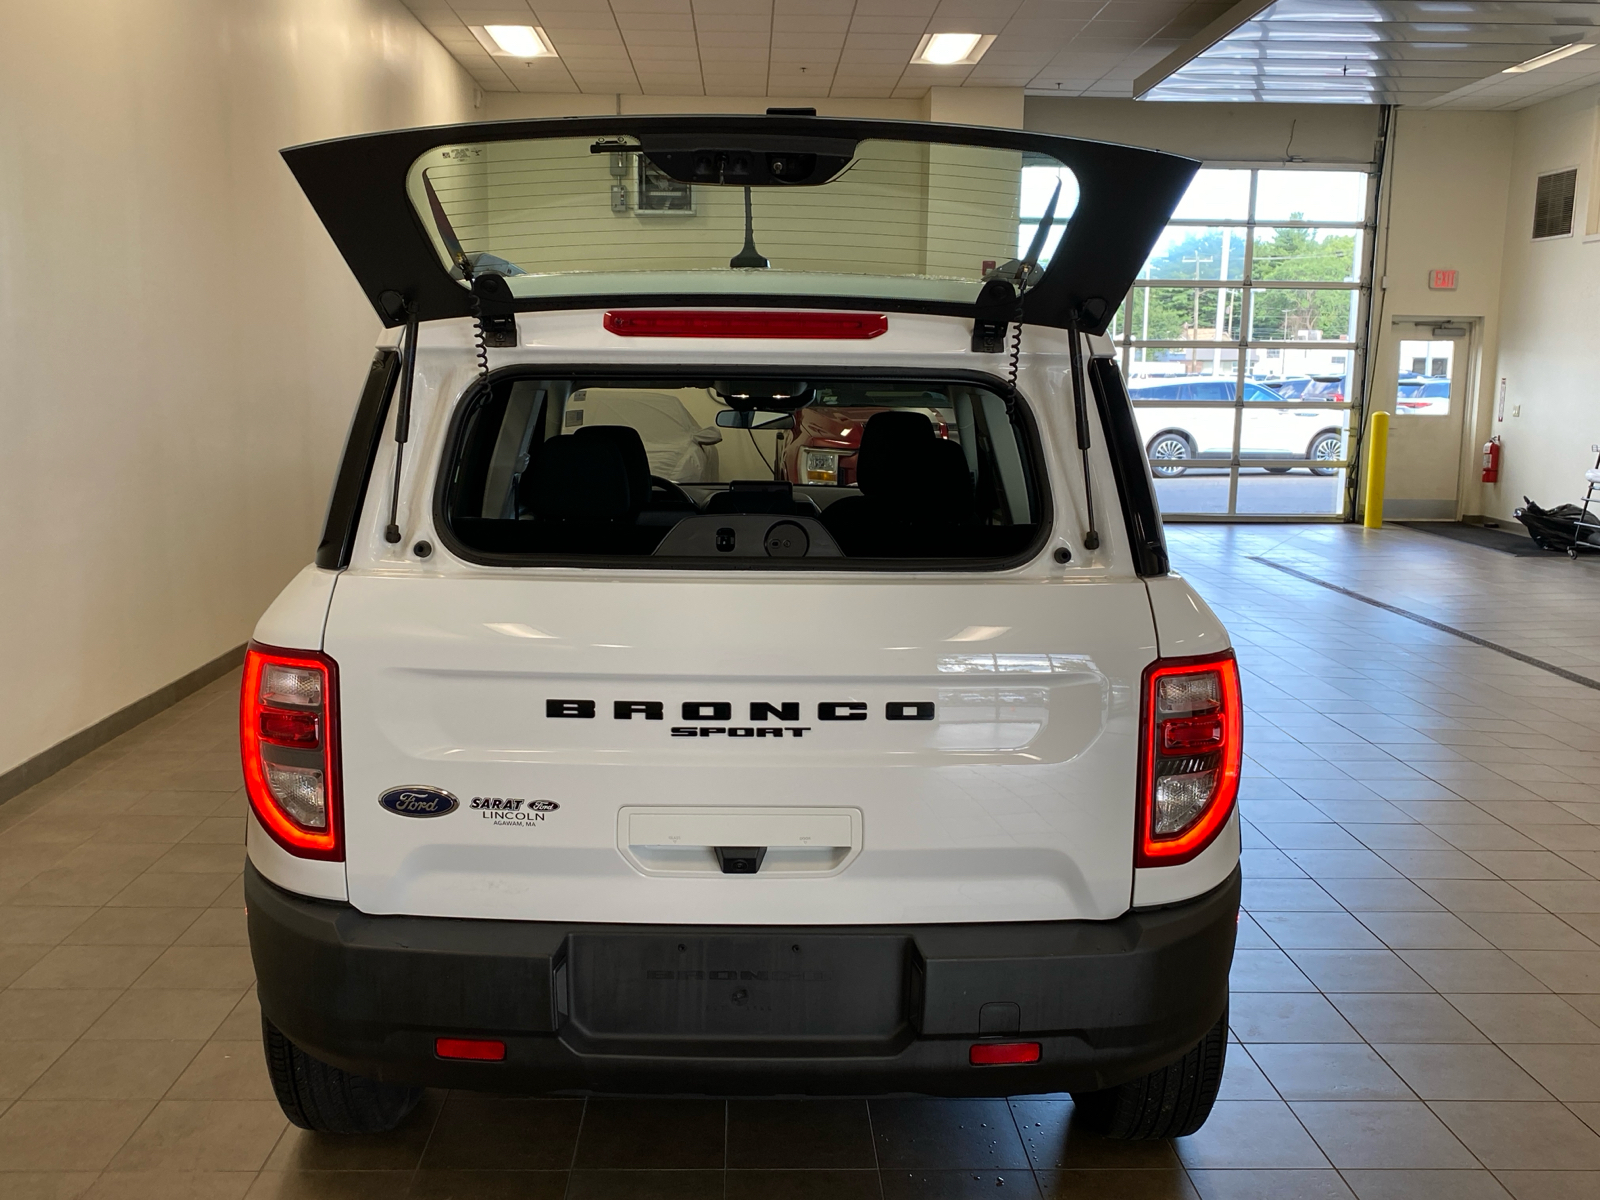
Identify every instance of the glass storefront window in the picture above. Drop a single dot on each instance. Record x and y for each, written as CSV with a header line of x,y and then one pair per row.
x,y
1244,380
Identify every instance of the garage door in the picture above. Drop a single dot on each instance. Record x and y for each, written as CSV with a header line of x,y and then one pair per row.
x,y
1242,343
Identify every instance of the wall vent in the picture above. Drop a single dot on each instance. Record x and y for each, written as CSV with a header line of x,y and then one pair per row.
x,y
1552,204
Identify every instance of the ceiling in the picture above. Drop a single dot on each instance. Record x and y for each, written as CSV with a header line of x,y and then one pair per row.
x,y
857,49
1421,53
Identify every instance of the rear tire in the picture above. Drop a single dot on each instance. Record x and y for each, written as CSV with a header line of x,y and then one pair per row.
x,y
1172,1102
1167,452
1327,446
319,1097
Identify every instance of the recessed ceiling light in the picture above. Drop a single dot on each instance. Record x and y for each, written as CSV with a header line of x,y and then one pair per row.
x,y
952,49
514,41
1550,56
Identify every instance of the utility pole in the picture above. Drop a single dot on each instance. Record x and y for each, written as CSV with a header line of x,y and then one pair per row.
x,y
1194,326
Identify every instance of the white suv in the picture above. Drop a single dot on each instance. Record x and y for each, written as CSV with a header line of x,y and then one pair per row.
x,y
594,755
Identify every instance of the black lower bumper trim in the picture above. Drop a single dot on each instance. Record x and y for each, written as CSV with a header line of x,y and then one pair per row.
x,y
740,1009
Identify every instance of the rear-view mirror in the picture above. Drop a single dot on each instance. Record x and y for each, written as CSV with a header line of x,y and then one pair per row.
x,y
753,418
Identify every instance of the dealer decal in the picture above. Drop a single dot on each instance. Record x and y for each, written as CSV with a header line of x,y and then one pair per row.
x,y
513,810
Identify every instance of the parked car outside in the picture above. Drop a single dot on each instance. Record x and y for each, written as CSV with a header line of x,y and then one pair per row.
x,y
1179,438
1422,396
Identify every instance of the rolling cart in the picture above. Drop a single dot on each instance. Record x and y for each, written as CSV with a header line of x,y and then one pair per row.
x,y
1589,519
1573,528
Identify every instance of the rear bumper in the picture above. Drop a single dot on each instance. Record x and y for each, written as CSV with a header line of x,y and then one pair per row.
x,y
742,1010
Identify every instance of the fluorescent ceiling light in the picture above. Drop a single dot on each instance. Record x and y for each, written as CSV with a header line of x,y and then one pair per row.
x,y
1544,60
952,49
514,41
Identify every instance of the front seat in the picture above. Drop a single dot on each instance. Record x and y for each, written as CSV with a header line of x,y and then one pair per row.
x,y
628,443
581,497
629,446
913,485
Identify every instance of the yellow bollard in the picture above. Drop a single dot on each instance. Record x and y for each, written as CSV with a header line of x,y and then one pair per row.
x,y
1377,463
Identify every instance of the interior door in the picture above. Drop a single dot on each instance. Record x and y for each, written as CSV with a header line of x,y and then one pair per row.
x,y
1426,378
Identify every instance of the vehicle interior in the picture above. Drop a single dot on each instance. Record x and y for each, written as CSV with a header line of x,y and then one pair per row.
x,y
695,469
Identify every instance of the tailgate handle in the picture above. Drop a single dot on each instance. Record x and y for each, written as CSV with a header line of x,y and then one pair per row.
x,y
739,840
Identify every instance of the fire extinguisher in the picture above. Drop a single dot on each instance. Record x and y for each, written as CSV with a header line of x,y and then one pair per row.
x,y
1491,460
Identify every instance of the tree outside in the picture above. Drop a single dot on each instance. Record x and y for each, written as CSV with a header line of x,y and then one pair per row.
x,y
1281,254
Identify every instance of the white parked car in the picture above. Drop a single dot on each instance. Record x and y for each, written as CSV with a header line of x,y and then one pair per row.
x,y
1202,427
568,774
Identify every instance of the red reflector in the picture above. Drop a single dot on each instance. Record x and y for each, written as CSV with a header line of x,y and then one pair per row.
x,y
288,727
995,1054
1189,735
710,323
476,1049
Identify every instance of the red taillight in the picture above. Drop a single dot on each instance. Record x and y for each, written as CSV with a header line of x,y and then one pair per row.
x,y
289,743
999,1054
1192,745
471,1049
709,323
287,727
1192,735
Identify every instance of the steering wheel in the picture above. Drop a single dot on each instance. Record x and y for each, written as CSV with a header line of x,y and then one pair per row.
x,y
673,490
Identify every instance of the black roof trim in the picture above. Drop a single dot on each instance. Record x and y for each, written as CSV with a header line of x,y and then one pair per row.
x,y
357,186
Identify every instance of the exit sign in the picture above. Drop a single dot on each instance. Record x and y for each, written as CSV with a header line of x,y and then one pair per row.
x,y
1442,280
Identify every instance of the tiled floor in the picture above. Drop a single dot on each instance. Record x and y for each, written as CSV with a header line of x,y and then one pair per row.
x,y
1417,990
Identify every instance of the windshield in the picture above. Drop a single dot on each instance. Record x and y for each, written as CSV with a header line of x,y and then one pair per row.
x,y
681,467
588,215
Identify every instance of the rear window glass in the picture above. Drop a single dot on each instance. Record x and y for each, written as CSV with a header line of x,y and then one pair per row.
x,y
596,216
747,472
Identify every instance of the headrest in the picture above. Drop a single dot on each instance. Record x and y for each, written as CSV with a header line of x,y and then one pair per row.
x,y
628,444
895,447
578,479
948,482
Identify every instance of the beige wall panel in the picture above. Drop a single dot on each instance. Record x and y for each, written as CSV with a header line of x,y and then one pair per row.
x,y
1549,338
1446,209
182,345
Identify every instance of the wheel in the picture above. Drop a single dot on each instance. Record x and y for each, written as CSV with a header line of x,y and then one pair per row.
x,y
1278,470
325,1099
1169,1103
1328,446
1166,450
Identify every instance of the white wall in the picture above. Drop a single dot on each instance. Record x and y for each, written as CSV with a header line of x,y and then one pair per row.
x,y
180,345
1549,339
1444,207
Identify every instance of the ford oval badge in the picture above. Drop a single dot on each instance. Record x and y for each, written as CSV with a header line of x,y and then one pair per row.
x,y
419,801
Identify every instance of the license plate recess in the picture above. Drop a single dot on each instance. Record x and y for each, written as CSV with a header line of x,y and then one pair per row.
x,y
795,993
